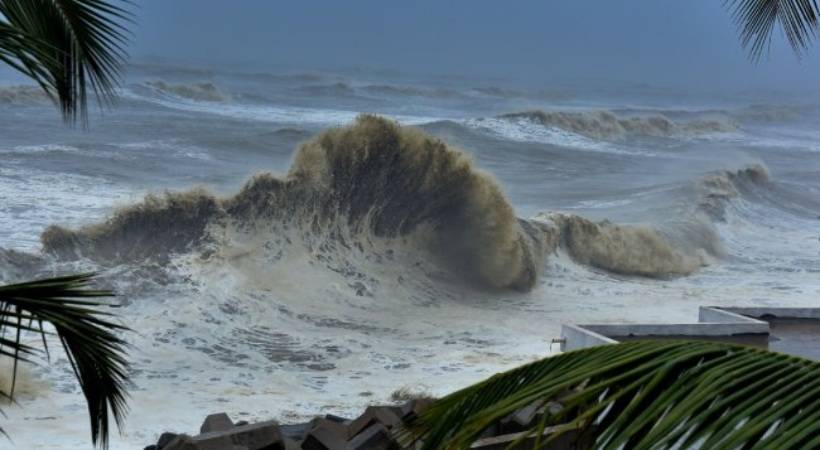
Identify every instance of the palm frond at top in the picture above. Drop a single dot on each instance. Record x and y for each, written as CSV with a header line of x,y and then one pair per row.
x,y
69,47
756,20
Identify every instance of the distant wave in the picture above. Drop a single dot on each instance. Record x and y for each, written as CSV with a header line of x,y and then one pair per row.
x,y
495,91
411,91
766,113
291,133
606,125
499,92
525,130
258,110
165,69
335,89
204,91
344,89
22,95
279,77
758,113
682,248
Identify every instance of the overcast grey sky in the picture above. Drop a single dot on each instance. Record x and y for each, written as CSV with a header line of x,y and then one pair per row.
x,y
670,42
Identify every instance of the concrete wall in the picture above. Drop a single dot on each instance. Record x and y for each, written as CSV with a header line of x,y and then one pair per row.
x,y
781,313
680,329
576,337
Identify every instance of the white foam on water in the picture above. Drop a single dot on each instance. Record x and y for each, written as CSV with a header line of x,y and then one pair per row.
x,y
34,199
177,147
524,130
270,113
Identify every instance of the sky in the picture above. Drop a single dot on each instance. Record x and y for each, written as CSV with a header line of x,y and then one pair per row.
x,y
665,42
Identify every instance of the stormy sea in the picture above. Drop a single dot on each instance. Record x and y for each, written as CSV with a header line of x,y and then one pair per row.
x,y
288,243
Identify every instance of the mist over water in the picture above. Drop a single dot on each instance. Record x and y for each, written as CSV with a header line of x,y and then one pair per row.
x,y
280,254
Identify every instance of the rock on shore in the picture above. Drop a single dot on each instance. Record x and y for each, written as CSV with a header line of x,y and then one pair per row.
x,y
373,430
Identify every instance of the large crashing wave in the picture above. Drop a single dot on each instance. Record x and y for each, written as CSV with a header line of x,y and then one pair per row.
x,y
375,180
371,179
608,125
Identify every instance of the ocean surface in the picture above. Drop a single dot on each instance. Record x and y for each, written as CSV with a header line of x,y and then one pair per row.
x,y
270,268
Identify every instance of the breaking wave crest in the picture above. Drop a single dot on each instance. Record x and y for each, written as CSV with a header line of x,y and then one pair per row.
x,y
375,181
607,125
204,91
627,250
716,190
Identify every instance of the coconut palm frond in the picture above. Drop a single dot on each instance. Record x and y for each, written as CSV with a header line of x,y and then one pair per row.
x,y
646,395
15,51
87,335
67,46
756,20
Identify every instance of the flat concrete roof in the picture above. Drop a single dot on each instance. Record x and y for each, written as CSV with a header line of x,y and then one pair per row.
x,y
797,330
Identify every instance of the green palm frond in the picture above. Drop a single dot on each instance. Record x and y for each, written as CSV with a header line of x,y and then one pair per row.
x,y
756,20
647,395
67,46
16,51
87,335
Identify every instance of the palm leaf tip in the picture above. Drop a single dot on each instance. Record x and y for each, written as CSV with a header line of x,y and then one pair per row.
x,y
69,47
95,351
756,20
648,394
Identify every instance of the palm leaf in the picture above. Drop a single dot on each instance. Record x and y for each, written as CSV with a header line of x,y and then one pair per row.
x,y
67,46
86,334
756,20
645,395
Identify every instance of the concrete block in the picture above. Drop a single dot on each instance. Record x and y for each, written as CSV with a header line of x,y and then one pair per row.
x,y
327,435
410,410
339,428
322,438
335,418
258,436
522,419
374,437
384,415
165,439
216,422
297,432
183,442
